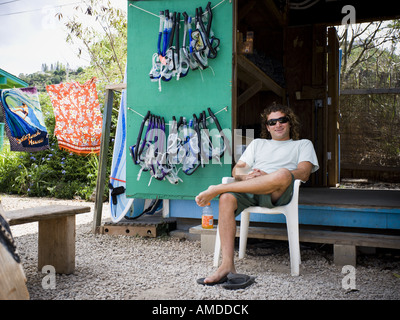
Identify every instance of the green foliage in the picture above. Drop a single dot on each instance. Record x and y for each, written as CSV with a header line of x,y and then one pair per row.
x,y
10,166
52,75
107,49
54,172
370,54
49,173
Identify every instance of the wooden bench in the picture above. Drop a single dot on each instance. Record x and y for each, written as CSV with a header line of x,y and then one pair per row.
x,y
344,240
56,244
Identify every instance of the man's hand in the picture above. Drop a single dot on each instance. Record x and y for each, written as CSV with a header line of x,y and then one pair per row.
x,y
242,171
255,173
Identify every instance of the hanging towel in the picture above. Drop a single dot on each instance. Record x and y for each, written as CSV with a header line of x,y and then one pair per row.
x,y
78,117
25,127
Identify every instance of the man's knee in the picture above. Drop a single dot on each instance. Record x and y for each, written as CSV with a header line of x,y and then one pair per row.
x,y
284,176
227,200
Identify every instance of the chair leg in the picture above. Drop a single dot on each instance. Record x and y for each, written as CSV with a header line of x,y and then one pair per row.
x,y
244,231
294,244
217,248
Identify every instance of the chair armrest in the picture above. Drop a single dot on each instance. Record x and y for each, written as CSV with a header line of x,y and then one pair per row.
x,y
226,180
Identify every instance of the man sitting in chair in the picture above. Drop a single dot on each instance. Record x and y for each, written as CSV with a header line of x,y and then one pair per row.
x,y
264,176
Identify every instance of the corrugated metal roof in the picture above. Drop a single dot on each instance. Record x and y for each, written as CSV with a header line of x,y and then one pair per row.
x,y
7,80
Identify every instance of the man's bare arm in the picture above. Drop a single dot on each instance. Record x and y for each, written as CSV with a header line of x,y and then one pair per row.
x,y
242,171
303,171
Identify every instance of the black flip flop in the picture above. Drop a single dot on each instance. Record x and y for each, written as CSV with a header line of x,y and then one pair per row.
x,y
238,281
201,281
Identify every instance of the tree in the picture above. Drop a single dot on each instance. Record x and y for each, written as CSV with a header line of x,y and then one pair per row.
x,y
368,123
364,46
105,43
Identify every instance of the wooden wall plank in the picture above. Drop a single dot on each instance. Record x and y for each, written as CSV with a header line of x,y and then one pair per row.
x,y
333,108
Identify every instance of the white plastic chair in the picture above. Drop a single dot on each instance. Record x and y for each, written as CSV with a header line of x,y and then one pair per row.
x,y
291,212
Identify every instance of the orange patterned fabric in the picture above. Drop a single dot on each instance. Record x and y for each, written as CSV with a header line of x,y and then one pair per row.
x,y
78,117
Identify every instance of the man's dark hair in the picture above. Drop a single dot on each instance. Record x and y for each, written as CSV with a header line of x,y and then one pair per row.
x,y
293,120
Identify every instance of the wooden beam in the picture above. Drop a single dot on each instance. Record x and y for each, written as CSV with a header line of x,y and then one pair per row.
x,y
311,92
248,67
21,216
117,87
57,244
271,7
251,91
234,66
245,10
333,120
351,166
370,91
317,235
105,141
318,91
101,175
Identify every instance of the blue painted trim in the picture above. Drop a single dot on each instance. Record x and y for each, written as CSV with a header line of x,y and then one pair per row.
x,y
376,218
379,218
11,80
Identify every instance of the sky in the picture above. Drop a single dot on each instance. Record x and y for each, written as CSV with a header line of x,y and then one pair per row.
x,y
31,35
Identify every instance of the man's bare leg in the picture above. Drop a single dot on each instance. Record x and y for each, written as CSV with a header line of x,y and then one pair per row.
x,y
275,184
227,231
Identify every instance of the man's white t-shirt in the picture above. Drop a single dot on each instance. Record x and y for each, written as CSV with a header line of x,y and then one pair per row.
x,y
271,155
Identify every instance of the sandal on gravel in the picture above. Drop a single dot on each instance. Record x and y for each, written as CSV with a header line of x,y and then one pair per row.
x,y
201,281
238,281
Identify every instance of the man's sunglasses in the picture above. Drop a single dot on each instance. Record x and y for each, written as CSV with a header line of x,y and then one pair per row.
x,y
272,122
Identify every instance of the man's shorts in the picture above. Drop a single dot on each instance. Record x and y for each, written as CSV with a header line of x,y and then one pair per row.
x,y
245,200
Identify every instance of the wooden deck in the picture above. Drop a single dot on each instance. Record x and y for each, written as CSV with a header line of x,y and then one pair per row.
x,y
354,208
354,198
345,218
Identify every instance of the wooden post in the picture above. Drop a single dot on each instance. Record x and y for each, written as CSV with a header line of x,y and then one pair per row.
x,y
333,107
234,67
101,174
344,255
319,103
57,244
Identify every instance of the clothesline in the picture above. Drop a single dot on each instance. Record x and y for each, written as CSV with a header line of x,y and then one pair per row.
x,y
223,109
158,16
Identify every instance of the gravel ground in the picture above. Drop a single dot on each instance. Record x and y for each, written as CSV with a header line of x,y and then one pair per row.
x,y
122,267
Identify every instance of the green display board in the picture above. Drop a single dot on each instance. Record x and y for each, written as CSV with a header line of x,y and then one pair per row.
x,y
197,91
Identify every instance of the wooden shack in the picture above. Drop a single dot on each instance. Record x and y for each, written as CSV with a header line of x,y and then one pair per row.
x,y
271,50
